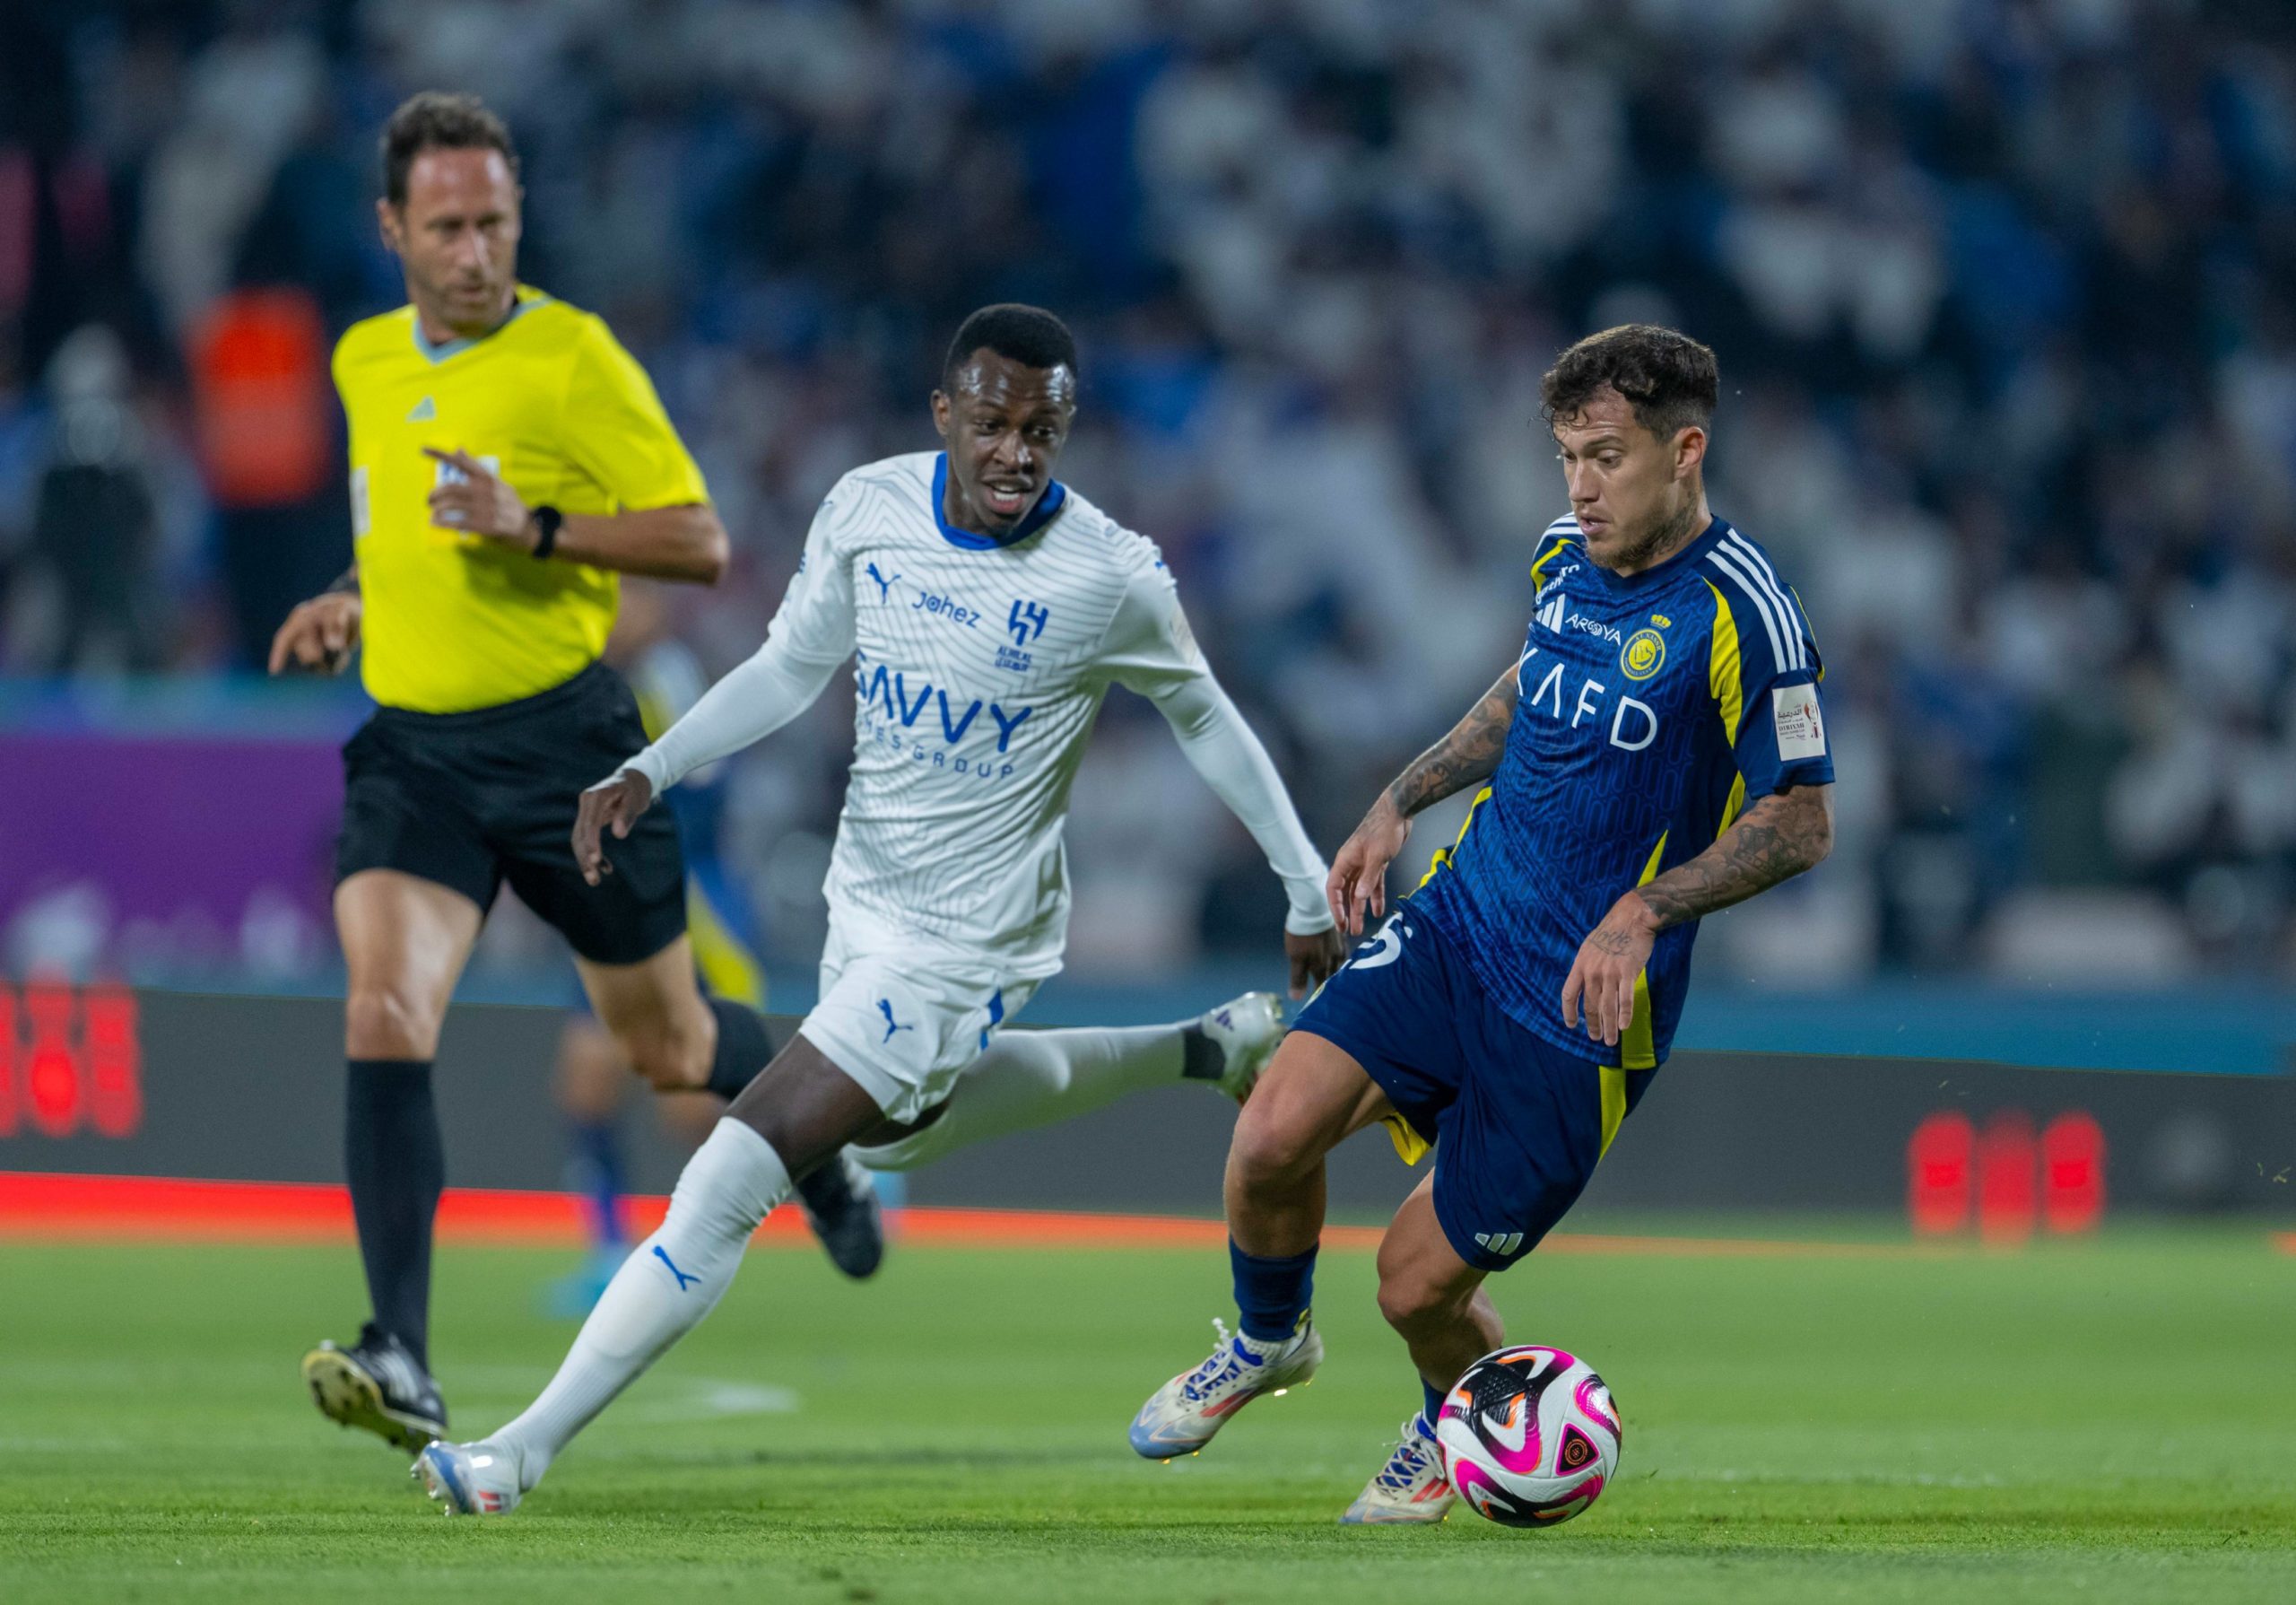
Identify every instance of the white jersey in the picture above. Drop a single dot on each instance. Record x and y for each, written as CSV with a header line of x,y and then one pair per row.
x,y
978,667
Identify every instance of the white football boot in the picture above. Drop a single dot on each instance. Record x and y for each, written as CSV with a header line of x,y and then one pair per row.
x,y
470,1479
1246,1031
1411,1488
1180,1417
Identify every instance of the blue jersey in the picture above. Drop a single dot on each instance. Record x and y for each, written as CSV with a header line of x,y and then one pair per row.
x,y
1653,709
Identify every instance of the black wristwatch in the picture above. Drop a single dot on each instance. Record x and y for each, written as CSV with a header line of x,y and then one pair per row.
x,y
547,520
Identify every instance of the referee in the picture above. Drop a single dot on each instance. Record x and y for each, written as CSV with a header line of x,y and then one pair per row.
x,y
509,462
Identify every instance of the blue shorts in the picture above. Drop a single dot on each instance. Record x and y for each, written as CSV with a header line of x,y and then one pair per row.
x,y
1517,1123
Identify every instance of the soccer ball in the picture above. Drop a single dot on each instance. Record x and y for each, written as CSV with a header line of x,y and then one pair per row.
x,y
1529,1436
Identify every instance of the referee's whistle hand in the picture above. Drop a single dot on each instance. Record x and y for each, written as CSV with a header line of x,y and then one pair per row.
x,y
613,804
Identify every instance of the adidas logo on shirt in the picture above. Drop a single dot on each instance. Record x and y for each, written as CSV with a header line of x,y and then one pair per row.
x,y
425,411
1551,616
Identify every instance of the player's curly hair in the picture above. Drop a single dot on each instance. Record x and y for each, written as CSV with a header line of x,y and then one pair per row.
x,y
436,121
1668,378
1029,335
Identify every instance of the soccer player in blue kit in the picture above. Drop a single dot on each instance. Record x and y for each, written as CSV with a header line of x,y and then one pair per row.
x,y
1657,752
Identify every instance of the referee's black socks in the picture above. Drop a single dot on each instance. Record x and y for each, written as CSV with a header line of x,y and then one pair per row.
x,y
743,1047
398,1166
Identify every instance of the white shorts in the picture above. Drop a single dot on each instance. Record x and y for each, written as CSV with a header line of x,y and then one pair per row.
x,y
904,1021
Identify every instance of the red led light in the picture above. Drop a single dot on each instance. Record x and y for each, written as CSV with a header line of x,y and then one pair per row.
x,y
2073,1173
51,1067
113,1059
1938,1163
69,1058
2008,1202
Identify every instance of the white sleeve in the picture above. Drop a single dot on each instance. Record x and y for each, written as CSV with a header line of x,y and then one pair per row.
x,y
811,635
1148,649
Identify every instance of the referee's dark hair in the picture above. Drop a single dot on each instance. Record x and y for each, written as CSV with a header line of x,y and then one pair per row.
x,y
436,121
1668,378
1029,335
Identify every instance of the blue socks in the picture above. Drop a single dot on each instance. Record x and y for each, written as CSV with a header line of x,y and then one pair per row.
x,y
1435,1397
1272,1294
397,1164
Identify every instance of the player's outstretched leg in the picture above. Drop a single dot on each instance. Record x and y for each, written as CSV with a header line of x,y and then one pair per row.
x,y
1312,1098
802,1106
1025,1079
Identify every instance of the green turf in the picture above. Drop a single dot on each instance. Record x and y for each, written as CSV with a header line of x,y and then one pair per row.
x,y
2111,1420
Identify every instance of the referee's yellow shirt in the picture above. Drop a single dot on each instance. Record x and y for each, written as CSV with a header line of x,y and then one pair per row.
x,y
552,402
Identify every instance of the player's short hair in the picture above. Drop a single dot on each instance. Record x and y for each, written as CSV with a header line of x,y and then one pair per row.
x,y
1029,335
1668,378
436,121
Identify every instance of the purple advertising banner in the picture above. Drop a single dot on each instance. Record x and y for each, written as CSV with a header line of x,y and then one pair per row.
x,y
130,852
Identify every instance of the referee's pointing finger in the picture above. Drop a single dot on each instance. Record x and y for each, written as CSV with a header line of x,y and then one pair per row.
x,y
457,459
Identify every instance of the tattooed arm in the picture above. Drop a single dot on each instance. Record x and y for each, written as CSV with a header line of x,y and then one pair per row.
x,y
1470,753
1776,839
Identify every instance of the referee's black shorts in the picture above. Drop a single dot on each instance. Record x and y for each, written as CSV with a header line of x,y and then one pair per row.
x,y
471,799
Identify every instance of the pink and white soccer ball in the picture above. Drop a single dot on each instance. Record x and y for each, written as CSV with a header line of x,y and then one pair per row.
x,y
1529,1436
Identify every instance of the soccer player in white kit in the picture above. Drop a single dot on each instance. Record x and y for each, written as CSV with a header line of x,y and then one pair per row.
x,y
988,609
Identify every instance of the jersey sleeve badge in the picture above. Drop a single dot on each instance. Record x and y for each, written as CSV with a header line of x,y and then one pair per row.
x,y
1800,729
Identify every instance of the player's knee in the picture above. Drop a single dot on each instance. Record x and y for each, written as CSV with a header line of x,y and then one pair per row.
x,y
389,1022
1414,1304
1269,1152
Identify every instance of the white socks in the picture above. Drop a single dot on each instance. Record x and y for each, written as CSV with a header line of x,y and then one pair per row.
x,y
1027,1079
663,1290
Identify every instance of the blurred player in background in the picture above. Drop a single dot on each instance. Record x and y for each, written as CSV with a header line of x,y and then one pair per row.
x,y
1656,753
593,1077
509,463
990,609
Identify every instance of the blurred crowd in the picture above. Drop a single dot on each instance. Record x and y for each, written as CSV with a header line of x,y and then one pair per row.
x,y
2003,291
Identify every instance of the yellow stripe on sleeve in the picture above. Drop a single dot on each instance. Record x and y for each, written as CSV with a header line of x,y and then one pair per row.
x,y
1547,556
1723,673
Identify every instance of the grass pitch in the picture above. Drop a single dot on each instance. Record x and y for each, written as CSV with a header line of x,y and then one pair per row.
x,y
2108,1420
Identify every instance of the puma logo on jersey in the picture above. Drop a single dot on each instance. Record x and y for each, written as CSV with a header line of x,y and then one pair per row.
x,y
885,581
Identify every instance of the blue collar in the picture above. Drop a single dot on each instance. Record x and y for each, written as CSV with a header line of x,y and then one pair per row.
x,y
1708,538
1048,508
520,300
